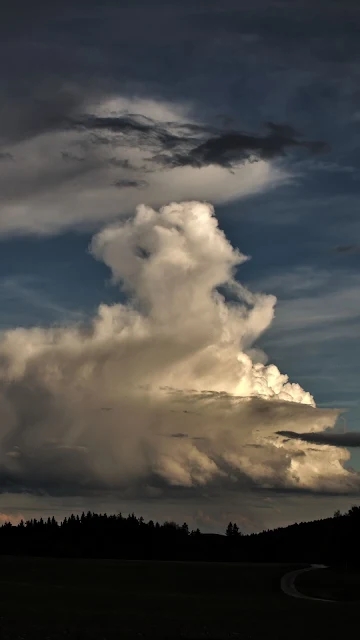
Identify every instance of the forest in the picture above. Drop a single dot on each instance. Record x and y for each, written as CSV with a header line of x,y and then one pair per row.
x,y
332,540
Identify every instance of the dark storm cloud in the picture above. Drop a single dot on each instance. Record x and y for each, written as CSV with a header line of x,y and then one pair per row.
x,y
122,163
49,469
130,184
6,157
177,145
65,471
74,53
48,109
67,156
230,148
121,124
142,132
69,58
179,435
347,248
334,439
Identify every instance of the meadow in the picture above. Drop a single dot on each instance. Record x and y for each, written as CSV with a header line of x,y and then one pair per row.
x,y
42,598
333,583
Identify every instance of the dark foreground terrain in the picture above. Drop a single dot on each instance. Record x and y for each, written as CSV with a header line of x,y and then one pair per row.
x,y
334,583
103,599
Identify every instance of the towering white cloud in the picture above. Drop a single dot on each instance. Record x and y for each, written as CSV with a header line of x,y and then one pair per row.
x,y
165,389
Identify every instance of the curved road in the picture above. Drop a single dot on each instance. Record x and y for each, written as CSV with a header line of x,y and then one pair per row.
x,y
288,583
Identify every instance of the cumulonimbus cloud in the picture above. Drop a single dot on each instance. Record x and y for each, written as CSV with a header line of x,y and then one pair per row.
x,y
189,399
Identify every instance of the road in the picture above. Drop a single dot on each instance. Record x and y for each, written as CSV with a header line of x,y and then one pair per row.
x,y
289,588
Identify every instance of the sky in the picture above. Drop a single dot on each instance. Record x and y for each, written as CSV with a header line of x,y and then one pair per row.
x,y
179,260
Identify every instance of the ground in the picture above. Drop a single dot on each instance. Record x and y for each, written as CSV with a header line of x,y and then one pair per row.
x,y
98,599
334,583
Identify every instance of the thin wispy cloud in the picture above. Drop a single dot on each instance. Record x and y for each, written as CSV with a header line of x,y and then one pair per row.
x,y
28,291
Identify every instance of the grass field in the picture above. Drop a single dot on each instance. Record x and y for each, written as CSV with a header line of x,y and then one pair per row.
x,y
333,583
50,598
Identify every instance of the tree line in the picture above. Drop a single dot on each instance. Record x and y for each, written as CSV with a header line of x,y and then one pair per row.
x,y
329,541
94,535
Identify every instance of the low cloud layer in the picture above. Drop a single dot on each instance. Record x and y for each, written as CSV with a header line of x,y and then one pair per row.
x,y
66,170
69,175
167,391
